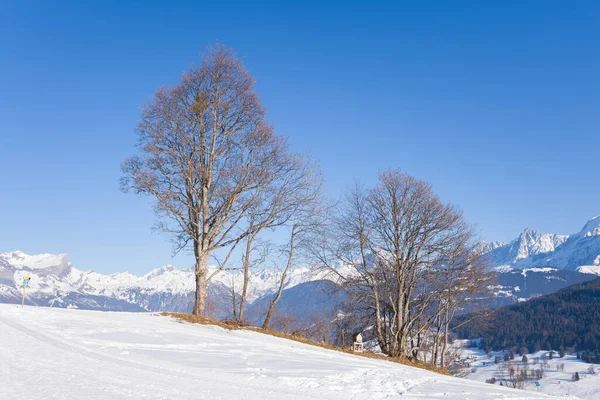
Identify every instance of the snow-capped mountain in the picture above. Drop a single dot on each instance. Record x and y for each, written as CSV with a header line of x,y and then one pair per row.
x,y
528,243
577,252
56,282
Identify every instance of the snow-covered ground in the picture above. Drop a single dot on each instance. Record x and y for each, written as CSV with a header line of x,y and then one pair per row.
x,y
50,353
558,383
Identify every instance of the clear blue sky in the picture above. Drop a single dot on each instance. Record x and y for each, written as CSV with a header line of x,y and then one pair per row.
x,y
497,104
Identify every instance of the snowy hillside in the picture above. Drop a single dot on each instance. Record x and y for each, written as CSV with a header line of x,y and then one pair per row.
x,y
74,354
580,251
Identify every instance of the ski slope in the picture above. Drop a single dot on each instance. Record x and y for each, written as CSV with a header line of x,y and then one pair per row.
x,y
49,353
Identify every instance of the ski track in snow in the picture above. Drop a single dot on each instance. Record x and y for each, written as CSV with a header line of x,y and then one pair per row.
x,y
72,354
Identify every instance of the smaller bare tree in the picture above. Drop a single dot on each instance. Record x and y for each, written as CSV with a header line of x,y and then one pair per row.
x,y
255,254
308,218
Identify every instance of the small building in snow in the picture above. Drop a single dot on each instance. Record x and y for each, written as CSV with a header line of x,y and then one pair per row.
x,y
357,344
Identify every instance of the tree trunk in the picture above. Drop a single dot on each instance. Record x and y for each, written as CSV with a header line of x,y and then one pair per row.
x,y
379,329
445,340
415,349
436,341
246,274
201,272
234,300
398,336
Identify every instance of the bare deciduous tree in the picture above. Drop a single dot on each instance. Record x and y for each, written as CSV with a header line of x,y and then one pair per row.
x,y
248,262
400,242
208,157
286,201
309,217
457,281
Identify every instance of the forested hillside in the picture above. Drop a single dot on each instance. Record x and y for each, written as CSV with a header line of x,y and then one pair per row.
x,y
569,318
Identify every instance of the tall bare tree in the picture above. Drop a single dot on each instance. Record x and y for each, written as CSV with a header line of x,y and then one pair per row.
x,y
208,157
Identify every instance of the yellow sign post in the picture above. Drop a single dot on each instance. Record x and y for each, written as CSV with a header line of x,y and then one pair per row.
x,y
25,284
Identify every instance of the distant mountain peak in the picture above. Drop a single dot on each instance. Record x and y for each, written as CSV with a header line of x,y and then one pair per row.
x,y
165,269
528,232
535,249
592,227
531,242
20,260
486,247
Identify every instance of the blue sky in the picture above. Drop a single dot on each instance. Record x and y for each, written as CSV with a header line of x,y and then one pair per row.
x,y
494,103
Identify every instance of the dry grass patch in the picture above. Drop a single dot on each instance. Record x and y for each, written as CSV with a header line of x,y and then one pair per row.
x,y
195,319
237,325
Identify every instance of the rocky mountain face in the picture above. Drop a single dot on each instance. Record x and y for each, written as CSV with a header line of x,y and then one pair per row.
x,y
529,243
577,252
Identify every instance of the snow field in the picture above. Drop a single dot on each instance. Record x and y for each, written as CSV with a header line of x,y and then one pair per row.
x,y
72,354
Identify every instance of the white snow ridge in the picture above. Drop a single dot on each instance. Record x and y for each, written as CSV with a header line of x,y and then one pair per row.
x,y
50,353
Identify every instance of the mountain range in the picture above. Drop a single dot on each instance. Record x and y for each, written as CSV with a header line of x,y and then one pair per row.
x,y
55,282
531,265
577,252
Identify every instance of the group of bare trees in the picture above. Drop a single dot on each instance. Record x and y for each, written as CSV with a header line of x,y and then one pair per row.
x,y
408,259
221,177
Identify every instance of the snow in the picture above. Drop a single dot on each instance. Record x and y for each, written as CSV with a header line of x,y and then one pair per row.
x,y
73,354
20,260
486,247
535,249
522,299
524,271
553,382
531,242
591,269
591,228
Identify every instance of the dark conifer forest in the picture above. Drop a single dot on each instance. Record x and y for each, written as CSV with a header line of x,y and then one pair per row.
x,y
568,319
